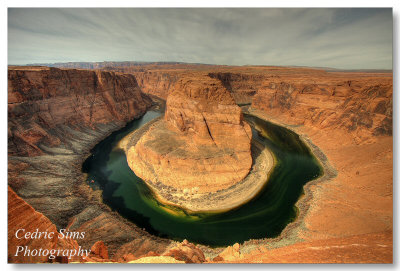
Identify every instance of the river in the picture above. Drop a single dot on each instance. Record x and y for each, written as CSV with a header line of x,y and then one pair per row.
x,y
266,215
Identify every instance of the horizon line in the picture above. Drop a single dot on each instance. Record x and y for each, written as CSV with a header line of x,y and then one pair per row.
x,y
199,63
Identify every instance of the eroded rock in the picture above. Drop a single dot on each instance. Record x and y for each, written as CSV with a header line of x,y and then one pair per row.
x,y
202,144
24,218
187,252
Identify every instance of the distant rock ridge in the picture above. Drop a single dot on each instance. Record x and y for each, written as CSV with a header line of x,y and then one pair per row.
x,y
202,144
356,102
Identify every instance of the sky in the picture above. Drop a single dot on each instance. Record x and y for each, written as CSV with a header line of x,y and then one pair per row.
x,y
318,37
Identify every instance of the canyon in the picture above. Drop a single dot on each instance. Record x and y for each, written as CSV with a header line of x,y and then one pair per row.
x,y
56,115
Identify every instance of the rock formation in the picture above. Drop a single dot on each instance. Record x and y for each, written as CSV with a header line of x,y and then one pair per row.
x,y
41,101
229,254
99,250
357,102
347,114
202,145
361,248
361,105
187,252
22,216
55,117
157,83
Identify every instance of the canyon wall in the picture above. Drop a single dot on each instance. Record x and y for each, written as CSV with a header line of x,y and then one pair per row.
x,y
356,102
22,216
42,102
361,104
205,111
157,83
55,117
348,115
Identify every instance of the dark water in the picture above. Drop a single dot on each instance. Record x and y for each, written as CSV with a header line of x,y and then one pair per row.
x,y
266,215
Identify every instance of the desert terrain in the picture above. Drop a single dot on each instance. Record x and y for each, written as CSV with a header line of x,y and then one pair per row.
x,y
56,115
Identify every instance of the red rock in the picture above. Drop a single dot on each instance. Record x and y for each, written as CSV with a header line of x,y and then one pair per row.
x,y
22,216
353,107
231,253
127,258
362,248
40,99
203,143
187,252
99,250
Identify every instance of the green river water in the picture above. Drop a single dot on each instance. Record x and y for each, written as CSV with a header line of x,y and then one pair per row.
x,y
266,215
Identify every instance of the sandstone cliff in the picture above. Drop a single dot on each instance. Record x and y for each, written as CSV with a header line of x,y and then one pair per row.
x,y
157,83
43,101
23,216
201,108
362,104
55,117
348,115
353,101
202,145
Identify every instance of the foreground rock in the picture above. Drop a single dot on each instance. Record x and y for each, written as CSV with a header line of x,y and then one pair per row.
x,y
202,145
363,248
187,252
22,216
230,254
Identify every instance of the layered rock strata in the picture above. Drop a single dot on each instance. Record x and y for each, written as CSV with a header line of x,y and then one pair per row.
x,y
202,144
220,200
356,101
42,101
55,117
347,114
22,218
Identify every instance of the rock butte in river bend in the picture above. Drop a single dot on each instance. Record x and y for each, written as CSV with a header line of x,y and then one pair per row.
x,y
348,115
203,143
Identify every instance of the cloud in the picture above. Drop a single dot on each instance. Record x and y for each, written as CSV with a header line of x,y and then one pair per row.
x,y
341,38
